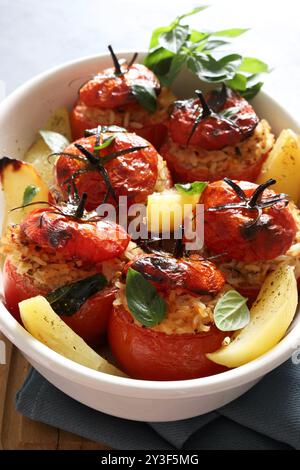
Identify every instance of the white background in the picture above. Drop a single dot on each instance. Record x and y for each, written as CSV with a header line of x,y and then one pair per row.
x,y
38,34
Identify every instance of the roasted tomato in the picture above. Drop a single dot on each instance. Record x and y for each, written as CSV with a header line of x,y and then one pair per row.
x,y
110,97
216,137
152,355
199,277
203,122
133,174
175,349
247,222
87,241
90,322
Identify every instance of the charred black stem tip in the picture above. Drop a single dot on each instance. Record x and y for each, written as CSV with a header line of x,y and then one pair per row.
x,y
80,209
117,66
206,109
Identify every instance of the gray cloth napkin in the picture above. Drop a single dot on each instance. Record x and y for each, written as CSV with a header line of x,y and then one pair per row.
x,y
266,417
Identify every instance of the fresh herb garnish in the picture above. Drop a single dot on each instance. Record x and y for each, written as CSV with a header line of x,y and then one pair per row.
x,y
30,192
228,112
55,141
146,96
231,312
253,203
177,45
68,299
143,300
197,187
106,142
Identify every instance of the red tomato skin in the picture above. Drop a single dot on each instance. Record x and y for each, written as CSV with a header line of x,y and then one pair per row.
x,y
90,322
150,355
154,133
182,174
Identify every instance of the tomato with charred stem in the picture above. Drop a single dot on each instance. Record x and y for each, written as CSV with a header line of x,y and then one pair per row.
x,y
246,221
116,92
169,350
128,166
65,241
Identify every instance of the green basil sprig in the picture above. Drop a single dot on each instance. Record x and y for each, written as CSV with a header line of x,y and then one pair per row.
x,y
68,299
231,312
146,97
30,192
197,187
177,45
143,300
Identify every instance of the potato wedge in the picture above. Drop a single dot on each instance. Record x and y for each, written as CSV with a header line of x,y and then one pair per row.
x,y
167,209
44,324
16,176
283,164
271,315
39,151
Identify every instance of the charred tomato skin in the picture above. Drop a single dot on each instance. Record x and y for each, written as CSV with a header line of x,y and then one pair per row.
x,y
150,355
133,175
224,230
108,90
90,322
89,242
198,276
212,132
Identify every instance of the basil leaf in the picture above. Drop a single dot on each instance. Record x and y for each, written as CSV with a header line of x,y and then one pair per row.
x,y
30,192
68,299
226,113
254,84
192,12
238,82
197,36
175,67
143,300
156,34
197,187
159,61
230,33
146,97
253,66
55,141
231,312
213,44
174,39
106,142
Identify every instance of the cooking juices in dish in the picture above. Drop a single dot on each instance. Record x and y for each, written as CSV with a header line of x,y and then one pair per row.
x,y
128,95
216,135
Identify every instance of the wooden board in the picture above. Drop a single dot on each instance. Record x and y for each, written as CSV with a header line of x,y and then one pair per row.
x,y
18,432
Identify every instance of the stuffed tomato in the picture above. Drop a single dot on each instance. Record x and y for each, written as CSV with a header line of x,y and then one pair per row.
x,y
214,136
71,258
106,166
172,346
114,96
252,230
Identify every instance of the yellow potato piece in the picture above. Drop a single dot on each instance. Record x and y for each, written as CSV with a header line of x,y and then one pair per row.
x,y
45,325
283,164
167,209
39,151
16,176
271,315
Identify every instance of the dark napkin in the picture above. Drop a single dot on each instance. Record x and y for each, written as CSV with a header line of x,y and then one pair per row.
x,y
266,417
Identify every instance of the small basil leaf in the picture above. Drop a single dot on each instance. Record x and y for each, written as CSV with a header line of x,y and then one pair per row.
x,y
228,112
230,33
30,192
238,82
68,299
176,65
143,300
197,187
197,36
159,61
253,65
55,141
106,142
146,97
213,44
174,39
231,312
156,34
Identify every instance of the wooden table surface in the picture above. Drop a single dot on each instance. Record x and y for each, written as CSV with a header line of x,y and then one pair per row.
x,y
18,432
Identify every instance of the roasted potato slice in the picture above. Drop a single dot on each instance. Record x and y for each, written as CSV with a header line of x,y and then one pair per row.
x,y
271,315
44,324
283,164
